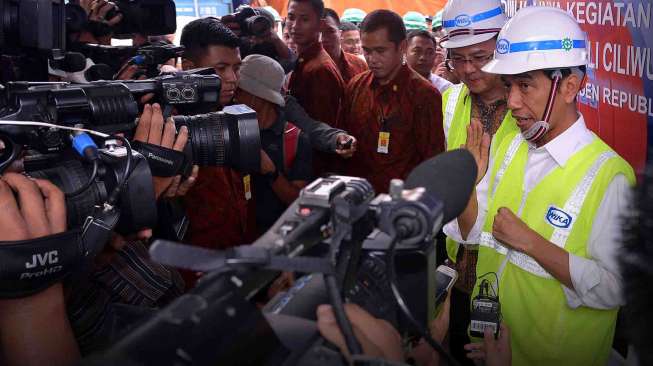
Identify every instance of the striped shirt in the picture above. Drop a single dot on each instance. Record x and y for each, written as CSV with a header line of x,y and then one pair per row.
x,y
130,278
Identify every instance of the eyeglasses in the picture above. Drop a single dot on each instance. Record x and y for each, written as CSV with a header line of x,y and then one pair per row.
x,y
476,61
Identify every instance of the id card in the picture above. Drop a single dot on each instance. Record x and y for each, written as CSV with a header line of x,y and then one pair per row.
x,y
384,143
247,186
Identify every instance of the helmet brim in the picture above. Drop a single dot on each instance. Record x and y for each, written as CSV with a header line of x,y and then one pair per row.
x,y
468,40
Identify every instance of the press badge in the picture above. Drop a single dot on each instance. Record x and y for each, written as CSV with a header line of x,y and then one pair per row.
x,y
384,142
247,185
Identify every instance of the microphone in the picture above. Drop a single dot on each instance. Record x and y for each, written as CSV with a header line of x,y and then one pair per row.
x,y
71,62
98,72
449,176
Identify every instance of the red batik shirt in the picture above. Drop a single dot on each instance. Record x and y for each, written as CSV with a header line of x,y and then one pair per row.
x,y
317,84
219,212
351,65
408,108
319,88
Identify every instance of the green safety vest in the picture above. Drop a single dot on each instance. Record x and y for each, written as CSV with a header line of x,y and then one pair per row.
x,y
457,110
544,329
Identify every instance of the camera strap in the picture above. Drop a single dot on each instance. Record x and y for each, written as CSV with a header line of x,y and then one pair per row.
x,y
163,162
30,266
206,260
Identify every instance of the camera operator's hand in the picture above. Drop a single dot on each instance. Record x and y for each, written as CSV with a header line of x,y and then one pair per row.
x,y
423,353
267,165
179,186
129,72
346,145
495,352
377,337
97,11
229,20
37,209
152,130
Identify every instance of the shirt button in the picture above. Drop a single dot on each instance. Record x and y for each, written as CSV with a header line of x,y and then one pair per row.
x,y
394,88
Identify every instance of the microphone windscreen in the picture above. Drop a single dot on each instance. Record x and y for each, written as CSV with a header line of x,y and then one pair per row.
x,y
450,176
73,62
99,72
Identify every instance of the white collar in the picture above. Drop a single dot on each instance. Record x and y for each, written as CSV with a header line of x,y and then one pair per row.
x,y
569,141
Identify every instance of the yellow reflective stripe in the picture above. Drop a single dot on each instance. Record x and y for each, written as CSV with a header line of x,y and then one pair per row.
x,y
577,199
510,155
450,109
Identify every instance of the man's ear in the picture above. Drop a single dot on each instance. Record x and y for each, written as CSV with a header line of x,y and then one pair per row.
x,y
187,64
570,87
403,45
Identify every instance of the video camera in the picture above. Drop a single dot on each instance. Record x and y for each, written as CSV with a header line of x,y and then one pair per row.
x,y
250,21
33,32
225,138
146,17
148,57
153,55
339,231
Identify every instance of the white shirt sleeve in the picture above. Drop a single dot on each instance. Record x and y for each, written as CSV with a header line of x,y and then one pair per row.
x,y
597,281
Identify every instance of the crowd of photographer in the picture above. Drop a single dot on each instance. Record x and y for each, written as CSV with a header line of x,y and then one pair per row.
x,y
209,142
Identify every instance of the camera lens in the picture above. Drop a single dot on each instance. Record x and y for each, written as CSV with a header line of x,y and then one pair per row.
x,y
228,138
208,137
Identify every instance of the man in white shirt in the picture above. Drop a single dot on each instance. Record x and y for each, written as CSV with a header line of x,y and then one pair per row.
x,y
556,195
420,55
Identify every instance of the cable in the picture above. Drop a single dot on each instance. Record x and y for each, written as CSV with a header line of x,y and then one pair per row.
x,y
45,124
337,303
496,277
424,333
89,182
113,197
341,316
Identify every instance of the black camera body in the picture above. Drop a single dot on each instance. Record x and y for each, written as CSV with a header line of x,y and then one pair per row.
x,y
183,88
251,22
230,137
113,56
106,107
32,24
31,32
151,56
146,17
137,200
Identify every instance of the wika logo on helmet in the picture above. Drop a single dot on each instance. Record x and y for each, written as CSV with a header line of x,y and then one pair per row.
x,y
503,46
558,218
463,20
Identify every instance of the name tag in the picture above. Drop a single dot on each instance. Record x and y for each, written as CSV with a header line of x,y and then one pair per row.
x,y
384,143
247,186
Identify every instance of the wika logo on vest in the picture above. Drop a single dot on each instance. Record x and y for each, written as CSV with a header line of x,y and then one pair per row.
x,y
558,218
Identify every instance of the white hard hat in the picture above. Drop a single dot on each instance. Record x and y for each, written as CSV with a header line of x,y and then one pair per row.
x,y
469,22
539,38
